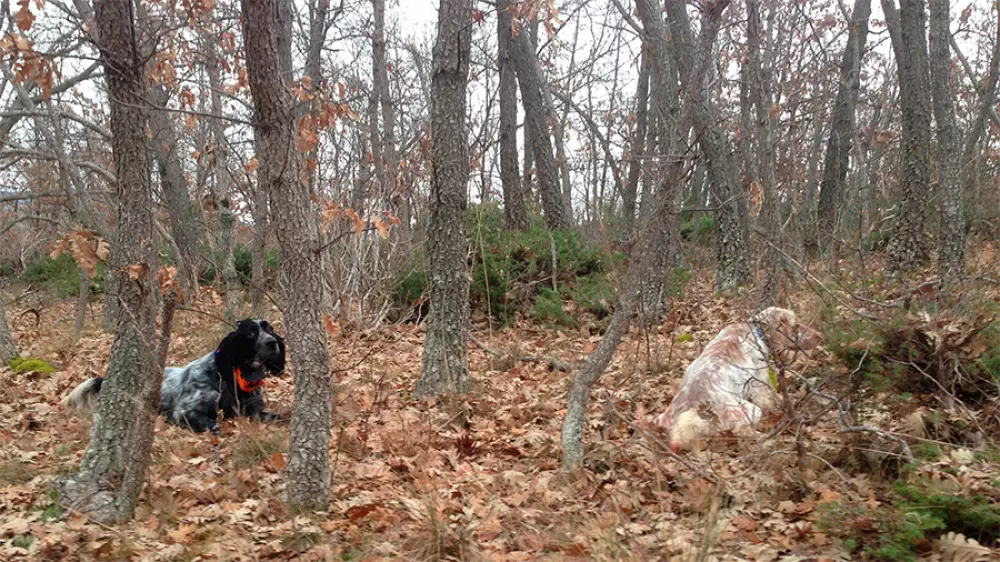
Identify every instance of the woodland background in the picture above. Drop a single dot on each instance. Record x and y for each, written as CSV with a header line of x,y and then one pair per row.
x,y
501,240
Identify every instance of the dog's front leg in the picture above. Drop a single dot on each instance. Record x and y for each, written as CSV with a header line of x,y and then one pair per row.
x,y
255,407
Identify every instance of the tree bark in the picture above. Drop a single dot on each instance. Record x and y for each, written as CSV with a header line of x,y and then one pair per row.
x,y
113,469
8,347
225,219
83,300
987,98
733,268
951,236
648,257
843,129
515,213
532,83
637,151
175,192
308,462
908,248
445,363
760,98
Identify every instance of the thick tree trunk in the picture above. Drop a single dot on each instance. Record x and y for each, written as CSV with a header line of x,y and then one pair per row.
x,y
113,469
445,363
733,268
308,462
843,130
671,129
175,192
532,83
8,348
515,213
908,247
951,236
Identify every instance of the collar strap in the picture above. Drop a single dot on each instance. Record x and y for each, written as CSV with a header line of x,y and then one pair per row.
x,y
243,384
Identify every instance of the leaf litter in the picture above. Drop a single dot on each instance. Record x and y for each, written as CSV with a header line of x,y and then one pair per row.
x,y
475,478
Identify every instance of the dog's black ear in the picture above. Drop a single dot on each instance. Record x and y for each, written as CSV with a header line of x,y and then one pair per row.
x,y
277,364
236,348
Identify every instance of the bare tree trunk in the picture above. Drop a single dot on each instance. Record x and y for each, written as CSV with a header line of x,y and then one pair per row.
x,y
388,172
515,213
308,463
908,247
843,129
8,348
445,364
637,151
175,191
532,83
760,98
951,236
987,98
733,268
648,258
83,300
220,170
805,222
113,469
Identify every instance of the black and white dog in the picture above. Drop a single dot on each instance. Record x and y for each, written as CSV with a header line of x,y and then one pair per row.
x,y
229,378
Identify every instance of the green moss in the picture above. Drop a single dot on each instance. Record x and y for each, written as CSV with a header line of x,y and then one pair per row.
x,y
25,365
684,337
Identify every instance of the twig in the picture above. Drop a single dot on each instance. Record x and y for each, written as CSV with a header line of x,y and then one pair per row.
x,y
209,314
813,278
555,363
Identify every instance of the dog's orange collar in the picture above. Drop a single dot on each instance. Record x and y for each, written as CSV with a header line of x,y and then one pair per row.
x,y
245,385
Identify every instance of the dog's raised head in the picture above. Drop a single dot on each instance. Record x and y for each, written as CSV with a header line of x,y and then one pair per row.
x,y
255,348
784,333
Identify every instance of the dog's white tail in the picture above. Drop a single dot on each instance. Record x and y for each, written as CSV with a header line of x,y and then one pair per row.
x,y
85,395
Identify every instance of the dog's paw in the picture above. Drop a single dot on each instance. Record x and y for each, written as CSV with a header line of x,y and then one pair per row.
x,y
268,417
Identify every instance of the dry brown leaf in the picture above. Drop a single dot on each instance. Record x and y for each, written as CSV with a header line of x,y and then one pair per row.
x,y
956,547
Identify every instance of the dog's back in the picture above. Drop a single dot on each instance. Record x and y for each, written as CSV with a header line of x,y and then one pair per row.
x,y
723,378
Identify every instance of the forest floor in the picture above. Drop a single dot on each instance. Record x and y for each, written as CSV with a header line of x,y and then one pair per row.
x,y
476,479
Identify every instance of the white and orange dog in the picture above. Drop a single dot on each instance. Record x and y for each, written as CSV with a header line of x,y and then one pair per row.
x,y
728,387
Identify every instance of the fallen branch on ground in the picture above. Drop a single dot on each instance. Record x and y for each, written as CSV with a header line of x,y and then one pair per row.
x,y
555,364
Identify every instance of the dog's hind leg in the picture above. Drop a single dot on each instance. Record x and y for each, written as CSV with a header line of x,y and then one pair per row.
x,y
201,420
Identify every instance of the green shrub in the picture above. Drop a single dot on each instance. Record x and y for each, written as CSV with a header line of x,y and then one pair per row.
x,y
410,288
884,533
242,263
549,308
972,514
61,276
677,281
918,513
508,268
24,365
595,294
684,337
697,229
